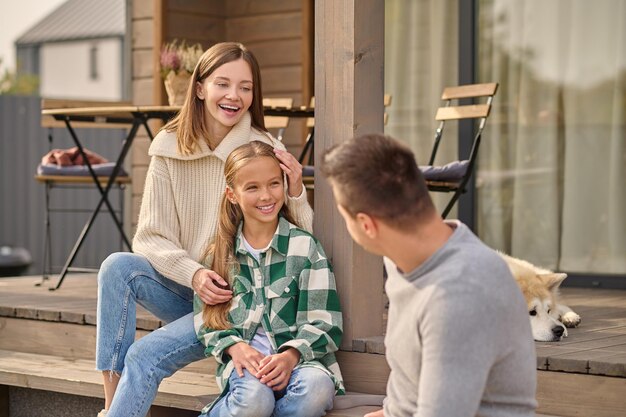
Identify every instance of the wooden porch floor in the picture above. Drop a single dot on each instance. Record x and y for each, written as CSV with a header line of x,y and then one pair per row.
x,y
74,302
589,365
597,346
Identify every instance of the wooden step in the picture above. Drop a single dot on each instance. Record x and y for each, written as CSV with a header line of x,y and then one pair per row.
x,y
185,390
365,373
590,365
352,412
568,394
67,340
52,351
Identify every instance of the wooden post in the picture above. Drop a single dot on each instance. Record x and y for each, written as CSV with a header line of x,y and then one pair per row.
x,y
349,41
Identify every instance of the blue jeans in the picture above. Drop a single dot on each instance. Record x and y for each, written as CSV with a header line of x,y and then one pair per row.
x,y
125,280
310,393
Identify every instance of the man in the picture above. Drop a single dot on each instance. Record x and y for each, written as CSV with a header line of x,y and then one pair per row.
x,y
458,337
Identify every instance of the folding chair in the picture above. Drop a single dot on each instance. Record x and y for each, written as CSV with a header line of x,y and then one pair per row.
x,y
454,176
70,181
307,155
308,150
77,177
277,122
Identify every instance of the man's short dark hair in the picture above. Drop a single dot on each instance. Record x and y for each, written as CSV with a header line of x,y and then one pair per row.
x,y
377,175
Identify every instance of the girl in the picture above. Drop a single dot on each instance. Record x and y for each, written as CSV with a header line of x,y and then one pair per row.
x,y
283,325
223,110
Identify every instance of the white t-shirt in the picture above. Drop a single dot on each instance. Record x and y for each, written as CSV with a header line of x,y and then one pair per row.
x,y
260,341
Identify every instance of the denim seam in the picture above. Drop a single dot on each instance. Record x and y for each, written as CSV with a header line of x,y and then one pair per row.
x,y
136,274
121,331
286,399
118,341
151,373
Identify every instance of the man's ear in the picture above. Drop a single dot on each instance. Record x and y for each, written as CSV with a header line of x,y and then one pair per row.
x,y
199,90
368,224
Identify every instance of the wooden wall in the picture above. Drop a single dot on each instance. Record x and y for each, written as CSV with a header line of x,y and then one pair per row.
x,y
142,51
279,32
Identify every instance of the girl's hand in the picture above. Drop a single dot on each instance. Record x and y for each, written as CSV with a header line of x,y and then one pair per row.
x,y
290,165
206,284
378,413
275,370
245,357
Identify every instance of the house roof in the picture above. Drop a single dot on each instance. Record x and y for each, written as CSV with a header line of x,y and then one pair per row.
x,y
78,19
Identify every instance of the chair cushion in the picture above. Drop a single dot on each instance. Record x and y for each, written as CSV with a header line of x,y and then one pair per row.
x,y
308,170
101,170
453,171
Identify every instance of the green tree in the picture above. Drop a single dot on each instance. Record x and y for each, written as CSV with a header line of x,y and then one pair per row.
x,y
17,84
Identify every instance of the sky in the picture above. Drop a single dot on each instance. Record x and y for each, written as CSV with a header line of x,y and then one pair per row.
x,y
16,17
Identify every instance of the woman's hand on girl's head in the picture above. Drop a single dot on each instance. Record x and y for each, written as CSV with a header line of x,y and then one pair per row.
x,y
245,357
206,284
290,165
275,370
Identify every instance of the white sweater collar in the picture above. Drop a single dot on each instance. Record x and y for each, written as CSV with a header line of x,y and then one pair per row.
x,y
165,143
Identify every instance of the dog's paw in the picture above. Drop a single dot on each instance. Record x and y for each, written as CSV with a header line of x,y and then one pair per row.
x,y
570,319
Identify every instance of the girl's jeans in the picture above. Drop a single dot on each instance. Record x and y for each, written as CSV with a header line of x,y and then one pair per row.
x,y
125,280
309,394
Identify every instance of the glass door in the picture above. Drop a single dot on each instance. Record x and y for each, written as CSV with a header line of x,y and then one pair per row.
x,y
551,180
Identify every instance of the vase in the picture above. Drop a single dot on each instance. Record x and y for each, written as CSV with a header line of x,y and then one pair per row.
x,y
176,86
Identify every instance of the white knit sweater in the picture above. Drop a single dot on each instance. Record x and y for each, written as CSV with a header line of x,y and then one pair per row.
x,y
180,203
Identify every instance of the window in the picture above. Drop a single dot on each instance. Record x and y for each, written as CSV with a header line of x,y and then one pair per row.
x,y
421,57
551,183
551,177
93,62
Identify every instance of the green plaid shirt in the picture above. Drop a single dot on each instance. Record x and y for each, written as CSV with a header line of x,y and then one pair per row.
x,y
291,292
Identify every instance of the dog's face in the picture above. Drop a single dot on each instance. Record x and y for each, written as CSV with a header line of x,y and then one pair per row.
x,y
540,288
542,307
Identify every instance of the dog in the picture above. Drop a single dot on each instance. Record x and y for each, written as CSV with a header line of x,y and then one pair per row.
x,y
549,319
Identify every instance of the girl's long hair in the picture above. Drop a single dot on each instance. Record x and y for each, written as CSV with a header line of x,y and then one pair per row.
x,y
222,250
190,124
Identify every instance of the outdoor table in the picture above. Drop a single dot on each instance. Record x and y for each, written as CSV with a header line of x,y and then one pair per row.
x,y
294,112
135,117
123,116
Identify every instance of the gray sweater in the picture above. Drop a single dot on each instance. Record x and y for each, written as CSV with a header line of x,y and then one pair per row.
x,y
458,337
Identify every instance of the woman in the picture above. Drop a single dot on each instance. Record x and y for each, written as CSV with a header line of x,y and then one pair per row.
x,y
223,110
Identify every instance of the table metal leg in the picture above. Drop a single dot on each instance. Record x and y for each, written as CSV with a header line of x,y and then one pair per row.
x,y
46,264
103,192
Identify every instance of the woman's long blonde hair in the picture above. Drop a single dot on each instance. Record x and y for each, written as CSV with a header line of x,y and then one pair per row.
x,y
189,124
222,249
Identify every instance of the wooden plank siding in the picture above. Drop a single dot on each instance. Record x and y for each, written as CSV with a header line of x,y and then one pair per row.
x,y
279,32
143,85
275,32
242,8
